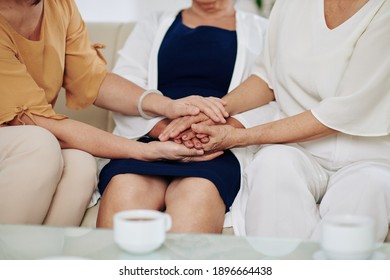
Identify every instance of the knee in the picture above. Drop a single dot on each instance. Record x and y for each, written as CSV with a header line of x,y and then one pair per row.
x,y
136,186
42,152
194,191
274,157
274,166
80,167
371,183
35,138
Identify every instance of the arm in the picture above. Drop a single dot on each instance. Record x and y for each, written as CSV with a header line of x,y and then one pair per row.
x,y
77,135
299,128
86,81
252,93
120,95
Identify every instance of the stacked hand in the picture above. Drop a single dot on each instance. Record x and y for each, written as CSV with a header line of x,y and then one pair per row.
x,y
193,105
199,132
185,113
179,130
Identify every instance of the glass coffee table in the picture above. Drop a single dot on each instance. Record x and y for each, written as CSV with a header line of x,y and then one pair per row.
x,y
27,242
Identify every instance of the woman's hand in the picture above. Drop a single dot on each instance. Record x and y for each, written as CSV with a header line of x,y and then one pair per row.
x,y
194,140
193,105
221,137
179,125
173,151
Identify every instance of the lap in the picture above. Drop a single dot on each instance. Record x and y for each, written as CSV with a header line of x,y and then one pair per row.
x,y
223,171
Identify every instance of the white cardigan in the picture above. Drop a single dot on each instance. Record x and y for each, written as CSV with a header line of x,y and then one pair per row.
x,y
138,62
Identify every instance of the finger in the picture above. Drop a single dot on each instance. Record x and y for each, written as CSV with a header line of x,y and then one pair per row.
x,y
189,144
214,110
220,103
197,144
187,135
182,153
200,136
176,131
194,152
204,140
181,125
202,129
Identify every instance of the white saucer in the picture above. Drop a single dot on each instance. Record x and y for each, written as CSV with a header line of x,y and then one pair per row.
x,y
319,255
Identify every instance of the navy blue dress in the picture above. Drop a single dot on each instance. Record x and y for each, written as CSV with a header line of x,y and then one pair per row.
x,y
191,61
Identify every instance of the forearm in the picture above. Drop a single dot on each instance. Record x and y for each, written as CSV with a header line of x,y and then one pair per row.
x,y
300,128
121,95
252,93
77,135
235,123
158,128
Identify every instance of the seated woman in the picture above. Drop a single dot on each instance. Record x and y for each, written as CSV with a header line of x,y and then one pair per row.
x,y
207,49
47,171
333,146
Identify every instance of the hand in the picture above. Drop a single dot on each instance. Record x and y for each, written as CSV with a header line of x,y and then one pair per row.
x,y
173,151
189,139
221,137
194,140
158,128
179,125
192,105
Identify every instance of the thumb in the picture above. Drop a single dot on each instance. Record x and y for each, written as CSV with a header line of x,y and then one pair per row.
x,y
201,129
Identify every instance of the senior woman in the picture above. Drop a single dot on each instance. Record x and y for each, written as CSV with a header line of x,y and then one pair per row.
x,y
47,172
206,49
327,63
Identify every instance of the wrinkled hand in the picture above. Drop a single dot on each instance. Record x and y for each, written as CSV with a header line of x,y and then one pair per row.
x,y
191,140
221,137
194,140
192,105
179,125
173,151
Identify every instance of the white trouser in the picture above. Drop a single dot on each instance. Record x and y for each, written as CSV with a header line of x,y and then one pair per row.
x,y
39,182
286,184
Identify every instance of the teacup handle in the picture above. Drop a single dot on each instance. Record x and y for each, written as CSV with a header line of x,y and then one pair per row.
x,y
167,221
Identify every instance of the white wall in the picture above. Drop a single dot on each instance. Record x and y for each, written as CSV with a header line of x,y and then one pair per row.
x,y
124,10
131,10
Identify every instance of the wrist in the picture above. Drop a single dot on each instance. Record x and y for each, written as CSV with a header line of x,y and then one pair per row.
x,y
241,137
149,103
234,122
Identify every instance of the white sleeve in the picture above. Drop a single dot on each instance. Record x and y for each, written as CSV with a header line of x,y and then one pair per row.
x,y
361,106
133,64
133,58
263,64
261,68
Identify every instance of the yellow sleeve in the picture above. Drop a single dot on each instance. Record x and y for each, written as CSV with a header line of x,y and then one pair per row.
x,y
85,68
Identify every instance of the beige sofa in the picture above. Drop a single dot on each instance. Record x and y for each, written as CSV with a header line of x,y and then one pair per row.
x,y
113,35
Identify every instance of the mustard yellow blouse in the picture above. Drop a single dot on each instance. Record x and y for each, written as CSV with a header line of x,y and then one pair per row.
x,y
32,72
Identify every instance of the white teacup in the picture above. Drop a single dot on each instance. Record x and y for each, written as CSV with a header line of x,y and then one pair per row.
x,y
141,231
348,237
